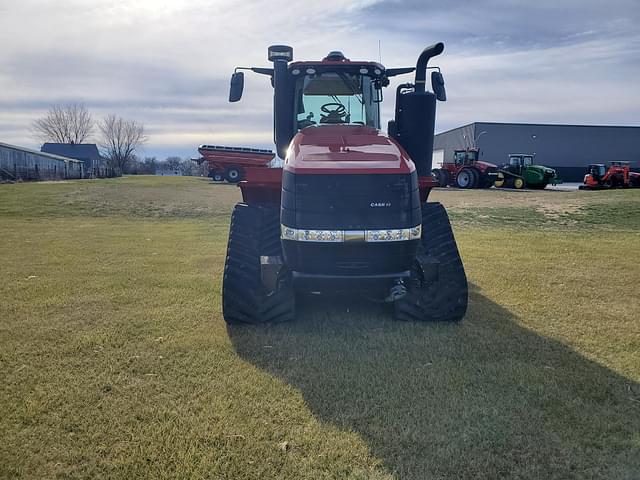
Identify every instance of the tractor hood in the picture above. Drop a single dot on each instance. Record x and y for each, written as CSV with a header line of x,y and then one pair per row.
x,y
543,169
345,149
485,165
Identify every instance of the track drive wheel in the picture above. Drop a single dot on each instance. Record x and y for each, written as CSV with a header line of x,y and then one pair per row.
x,y
254,232
438,289
518,183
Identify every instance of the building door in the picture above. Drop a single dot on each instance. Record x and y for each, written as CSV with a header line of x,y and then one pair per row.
x,y
438,158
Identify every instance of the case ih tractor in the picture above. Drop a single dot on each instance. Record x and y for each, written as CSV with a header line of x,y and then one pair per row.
x,y
348,211
520,172
466,171
618,175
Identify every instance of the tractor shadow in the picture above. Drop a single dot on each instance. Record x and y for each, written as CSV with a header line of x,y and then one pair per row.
x,y
485,398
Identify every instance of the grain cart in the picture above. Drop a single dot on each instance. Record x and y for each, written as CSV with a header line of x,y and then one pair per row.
x,y
229,163
466,171
521,172
348,211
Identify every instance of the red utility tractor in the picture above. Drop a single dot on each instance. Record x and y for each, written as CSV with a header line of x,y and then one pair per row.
x,y
229,163
348,211
466,171
618,175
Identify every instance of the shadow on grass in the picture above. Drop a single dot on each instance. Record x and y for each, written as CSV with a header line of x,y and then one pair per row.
x,y
485,398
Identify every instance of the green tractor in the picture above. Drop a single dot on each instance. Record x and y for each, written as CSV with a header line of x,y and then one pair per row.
x,y
521,172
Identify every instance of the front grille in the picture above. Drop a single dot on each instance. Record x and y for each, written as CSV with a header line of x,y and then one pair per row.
x,y
350,202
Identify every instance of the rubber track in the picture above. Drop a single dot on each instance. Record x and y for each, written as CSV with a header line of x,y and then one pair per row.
x,y
446,298
254,231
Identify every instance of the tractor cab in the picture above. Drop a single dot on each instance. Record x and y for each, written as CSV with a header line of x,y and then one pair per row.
x,y
620,163
472,155
336,92
459,157
518,162
467,156
597,170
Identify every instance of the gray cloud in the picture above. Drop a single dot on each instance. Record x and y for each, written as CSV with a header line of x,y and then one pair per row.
x,y
167,63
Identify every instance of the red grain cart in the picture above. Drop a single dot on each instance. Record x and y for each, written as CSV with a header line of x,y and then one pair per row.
x,y
230,163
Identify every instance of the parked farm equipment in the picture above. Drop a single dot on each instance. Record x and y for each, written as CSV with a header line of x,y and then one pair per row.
x,y
466,171
521,172
229,163
617,175
348,211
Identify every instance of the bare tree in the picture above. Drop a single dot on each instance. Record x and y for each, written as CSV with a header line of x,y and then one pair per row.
x,y
173,163
64,123
119,140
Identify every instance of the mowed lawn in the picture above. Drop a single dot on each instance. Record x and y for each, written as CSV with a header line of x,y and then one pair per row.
x,y
115,361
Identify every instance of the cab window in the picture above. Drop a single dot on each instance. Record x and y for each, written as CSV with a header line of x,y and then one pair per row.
x,y
336,98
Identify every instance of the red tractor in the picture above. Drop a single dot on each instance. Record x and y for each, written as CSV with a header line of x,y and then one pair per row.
x,y
348,211
466,171
618,175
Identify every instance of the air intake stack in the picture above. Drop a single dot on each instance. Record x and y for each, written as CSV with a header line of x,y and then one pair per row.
x,y
416,114
283,117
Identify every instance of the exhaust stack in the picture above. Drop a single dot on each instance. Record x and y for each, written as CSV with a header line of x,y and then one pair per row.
x,y
422,63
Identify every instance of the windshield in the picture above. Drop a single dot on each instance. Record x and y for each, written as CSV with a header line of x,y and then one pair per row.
x,y
336,98
527,160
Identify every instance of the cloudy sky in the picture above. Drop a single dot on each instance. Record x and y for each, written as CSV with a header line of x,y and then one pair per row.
x,y
167,62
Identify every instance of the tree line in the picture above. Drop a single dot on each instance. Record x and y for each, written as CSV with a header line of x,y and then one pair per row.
x,y
170,166
117,138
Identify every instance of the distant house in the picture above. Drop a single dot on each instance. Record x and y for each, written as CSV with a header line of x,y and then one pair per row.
x,y
94,164
86,152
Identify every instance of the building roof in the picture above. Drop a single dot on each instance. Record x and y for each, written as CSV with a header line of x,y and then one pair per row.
x,y
42,154
538,125
79,151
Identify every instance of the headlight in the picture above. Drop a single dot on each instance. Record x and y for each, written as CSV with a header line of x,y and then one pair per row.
x,y
287,233
335,236
320,235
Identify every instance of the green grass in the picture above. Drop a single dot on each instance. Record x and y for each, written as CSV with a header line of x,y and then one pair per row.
x,y
115,361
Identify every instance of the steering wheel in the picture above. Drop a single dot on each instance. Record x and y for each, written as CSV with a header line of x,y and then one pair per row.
x,y
333,115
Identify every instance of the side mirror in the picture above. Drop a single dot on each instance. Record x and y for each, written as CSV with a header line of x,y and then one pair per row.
x,y
237,85
437,83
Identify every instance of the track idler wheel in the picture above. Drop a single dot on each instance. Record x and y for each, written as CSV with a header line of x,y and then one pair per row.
x,y
438,289
254,232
